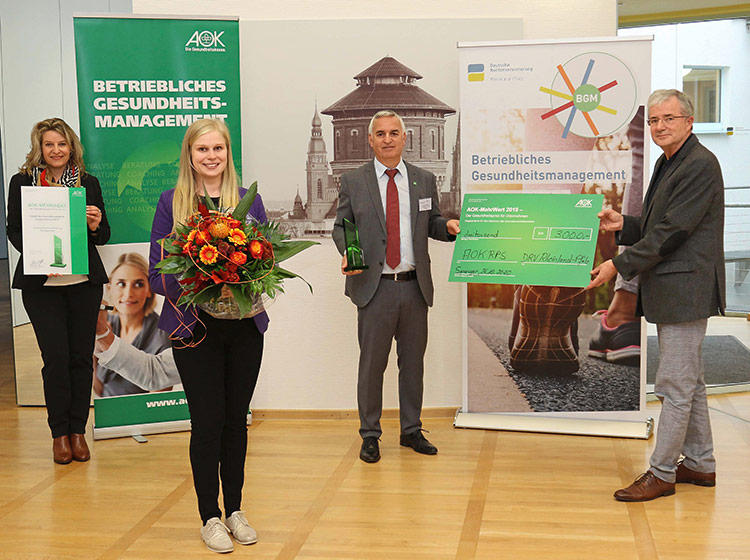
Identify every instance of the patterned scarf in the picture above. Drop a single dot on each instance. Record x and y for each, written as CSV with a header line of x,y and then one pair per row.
x,y
70,177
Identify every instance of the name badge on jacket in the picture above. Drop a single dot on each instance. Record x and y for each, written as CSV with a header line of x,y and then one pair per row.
x,y
425,204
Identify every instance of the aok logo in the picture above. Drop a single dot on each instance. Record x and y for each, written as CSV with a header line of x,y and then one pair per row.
x,y
206,39
583,203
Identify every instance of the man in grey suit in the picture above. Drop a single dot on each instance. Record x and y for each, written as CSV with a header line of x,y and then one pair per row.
x,y
677,248
395,208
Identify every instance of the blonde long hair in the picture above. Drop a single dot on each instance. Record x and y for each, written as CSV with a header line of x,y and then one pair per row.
x,y
35,158
185,202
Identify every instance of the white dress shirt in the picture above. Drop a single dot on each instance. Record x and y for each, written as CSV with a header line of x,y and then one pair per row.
x,y
404,205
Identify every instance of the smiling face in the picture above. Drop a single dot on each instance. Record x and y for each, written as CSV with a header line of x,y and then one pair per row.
x,y
129,290
55,152
669,137
209,156
387,140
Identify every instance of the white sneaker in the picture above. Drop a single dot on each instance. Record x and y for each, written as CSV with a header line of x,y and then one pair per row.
x,y
214,534
240,528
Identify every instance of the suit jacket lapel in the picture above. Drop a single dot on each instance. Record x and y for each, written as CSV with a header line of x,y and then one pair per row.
x,y
683,153
413,195
374,190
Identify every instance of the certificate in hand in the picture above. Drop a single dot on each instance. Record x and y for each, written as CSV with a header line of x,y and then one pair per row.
x,y
54,230
533,239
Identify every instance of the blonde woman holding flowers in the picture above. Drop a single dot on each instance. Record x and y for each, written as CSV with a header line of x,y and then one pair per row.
x,y
218,359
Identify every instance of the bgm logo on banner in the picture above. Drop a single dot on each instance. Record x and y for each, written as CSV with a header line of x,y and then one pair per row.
x,y
476,72
206,41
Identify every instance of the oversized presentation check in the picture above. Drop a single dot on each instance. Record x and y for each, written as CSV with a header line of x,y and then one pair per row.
x,y
527,238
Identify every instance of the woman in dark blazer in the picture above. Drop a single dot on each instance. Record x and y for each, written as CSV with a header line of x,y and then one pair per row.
x,y
63,308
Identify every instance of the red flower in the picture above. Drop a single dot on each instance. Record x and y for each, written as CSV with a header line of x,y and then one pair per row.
x,y
256,249
231,267
239,257
216,278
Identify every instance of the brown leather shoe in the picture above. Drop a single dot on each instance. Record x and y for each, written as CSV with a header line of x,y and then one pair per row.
x,y
646,487
61,451
79,447
685,474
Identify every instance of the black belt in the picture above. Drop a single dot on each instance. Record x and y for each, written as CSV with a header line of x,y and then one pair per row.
x,y
401,276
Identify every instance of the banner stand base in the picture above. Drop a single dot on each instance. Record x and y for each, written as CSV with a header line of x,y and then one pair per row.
x,y
555,425
137,431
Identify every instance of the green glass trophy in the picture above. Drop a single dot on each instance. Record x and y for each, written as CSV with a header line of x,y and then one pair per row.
x,y
58,252
355,256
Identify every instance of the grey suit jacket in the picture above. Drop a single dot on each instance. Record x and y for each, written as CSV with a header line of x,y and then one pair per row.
x,y
360,203
678,242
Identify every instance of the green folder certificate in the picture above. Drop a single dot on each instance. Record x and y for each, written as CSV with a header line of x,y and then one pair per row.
x,y
55,238
527,238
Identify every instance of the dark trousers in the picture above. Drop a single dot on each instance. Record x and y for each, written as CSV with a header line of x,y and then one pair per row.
x,y
219,376
64,321
396,311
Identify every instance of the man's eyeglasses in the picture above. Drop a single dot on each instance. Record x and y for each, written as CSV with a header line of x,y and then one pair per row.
x,y
669,120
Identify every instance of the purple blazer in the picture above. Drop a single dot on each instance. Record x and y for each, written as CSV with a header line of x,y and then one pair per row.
x,y
167,285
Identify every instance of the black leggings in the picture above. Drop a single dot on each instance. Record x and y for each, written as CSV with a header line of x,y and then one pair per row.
x,y
219,377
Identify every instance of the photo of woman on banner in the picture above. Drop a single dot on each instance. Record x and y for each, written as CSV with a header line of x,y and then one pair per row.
x,y
549,344
134,321
62,307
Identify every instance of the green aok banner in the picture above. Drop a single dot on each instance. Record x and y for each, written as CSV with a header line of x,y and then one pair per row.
x,y
525,238
141,83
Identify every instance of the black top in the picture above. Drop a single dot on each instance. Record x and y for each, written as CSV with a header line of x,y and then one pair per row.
x,y
97,274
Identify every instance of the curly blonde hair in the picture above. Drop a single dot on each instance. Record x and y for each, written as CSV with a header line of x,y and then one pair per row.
x,y
35,159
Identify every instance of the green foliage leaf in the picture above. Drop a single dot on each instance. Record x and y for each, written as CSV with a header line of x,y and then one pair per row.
x,y
240,212
288,249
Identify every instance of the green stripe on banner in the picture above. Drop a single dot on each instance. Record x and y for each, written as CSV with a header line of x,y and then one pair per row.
x,y
145,408
79,246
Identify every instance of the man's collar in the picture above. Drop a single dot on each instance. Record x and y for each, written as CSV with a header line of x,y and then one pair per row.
x,y
380,168
674,155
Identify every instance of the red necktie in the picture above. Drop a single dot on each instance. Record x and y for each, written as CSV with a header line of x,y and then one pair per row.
x,y
392,221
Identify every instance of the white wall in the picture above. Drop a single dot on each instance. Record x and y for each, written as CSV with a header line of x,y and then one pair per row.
x,y
726,44
311,363
37,78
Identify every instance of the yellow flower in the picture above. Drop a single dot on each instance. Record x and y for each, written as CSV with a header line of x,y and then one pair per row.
x,y
237,236
208,254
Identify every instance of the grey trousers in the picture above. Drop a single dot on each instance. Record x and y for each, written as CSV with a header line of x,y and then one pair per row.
x,y
684,425
397,310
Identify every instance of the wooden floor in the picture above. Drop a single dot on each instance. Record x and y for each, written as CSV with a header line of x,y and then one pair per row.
x,y
486,495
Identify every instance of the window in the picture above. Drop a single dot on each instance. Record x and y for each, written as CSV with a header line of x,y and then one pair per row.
x,y
409,139
703,85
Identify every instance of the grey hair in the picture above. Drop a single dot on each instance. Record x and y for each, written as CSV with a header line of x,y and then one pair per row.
x,y
383,114
661,95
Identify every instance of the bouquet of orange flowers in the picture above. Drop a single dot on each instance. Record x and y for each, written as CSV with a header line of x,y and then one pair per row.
x,y
215,250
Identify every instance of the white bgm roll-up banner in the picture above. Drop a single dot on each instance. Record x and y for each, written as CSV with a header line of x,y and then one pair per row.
x,y
541,358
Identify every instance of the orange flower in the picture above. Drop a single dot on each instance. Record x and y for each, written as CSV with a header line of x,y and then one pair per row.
x,y
239,257
237,236
208,254
256,249
201,237
219,229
